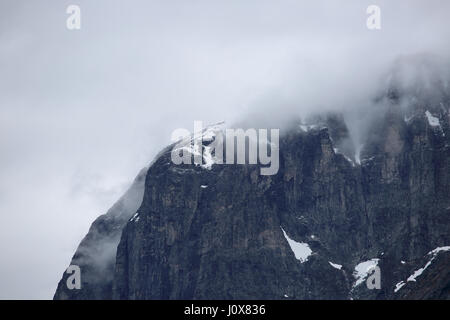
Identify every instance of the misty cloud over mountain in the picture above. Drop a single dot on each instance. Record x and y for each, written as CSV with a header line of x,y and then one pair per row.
x,y
82,112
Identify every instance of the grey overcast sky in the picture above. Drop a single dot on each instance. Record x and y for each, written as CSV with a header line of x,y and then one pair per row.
x,y
81,112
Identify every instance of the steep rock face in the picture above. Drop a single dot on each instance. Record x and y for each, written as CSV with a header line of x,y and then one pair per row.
x,y
219,234
308,232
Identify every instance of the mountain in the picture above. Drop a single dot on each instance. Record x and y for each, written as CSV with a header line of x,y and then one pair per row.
x,y
335,208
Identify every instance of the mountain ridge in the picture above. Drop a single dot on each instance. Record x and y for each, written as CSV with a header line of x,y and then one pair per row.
x,y
226,232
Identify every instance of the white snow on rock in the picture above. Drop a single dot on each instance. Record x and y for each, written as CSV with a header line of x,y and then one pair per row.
x,y
210,133
418,272
335,265
207,158
135,217
433,254
193,144
362,270
301,250
439,249
399,285
432,120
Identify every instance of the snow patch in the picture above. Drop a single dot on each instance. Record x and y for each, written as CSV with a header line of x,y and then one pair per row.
x,y
432,120
362,270
433,254
399,285
207,158
335,265
439,249
193,144
135,217
418,272
301,250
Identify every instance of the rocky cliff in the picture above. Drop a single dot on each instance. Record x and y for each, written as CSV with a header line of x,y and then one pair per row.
x,y
311,231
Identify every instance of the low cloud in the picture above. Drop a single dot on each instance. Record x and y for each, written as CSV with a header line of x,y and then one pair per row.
x,y
81,112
